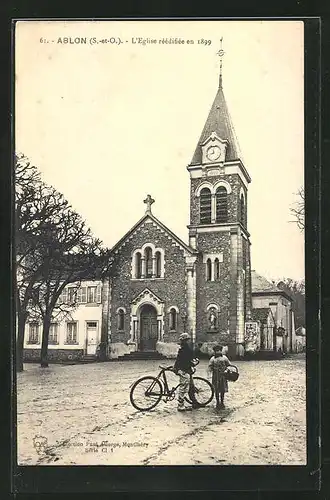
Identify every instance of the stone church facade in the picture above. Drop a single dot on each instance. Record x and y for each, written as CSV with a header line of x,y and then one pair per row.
x,y
161,286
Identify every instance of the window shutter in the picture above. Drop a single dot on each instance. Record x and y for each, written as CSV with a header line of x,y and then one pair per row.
x,y
221,205
98,294
205,206
65,295
84,294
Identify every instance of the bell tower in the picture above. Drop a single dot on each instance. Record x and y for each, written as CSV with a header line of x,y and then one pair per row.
x,y
218,229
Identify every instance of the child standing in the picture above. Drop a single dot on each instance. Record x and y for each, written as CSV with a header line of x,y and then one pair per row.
x,y
217,366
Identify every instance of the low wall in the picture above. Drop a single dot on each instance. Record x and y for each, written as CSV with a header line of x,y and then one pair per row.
x,y
167,349
54,355
207,348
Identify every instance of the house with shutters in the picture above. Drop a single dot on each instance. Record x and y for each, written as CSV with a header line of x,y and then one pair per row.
x,y
72,335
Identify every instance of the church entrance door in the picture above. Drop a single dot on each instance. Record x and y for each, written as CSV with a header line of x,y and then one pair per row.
x,y
148,328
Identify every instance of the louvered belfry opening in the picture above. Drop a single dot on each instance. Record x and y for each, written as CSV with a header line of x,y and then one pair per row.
x,y
205,206
221,204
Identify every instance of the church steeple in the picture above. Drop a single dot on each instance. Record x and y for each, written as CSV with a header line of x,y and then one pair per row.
x,y
219,122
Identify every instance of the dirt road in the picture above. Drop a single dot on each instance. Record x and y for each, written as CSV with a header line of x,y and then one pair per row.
x,y
82,415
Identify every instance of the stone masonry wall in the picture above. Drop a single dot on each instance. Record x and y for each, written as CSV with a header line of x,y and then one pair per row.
x,y
233,198
171,289
217,292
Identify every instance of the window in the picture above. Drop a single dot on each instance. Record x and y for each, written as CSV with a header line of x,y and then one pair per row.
x,y
53,329
71,332
221,205
158,265
242,210
148,262
173,319
64,296
34,333
121,319
91,294
138,265
205,206
82,294
216,269
72,295
208,270
148,258
91,325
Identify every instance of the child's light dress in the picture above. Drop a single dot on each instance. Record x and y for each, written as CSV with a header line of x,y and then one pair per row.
x,y
218,365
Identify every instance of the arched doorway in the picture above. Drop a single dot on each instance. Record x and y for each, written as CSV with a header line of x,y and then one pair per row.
x,y
148,328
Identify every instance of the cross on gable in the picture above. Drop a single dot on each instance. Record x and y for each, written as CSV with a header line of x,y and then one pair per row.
x,y
148,201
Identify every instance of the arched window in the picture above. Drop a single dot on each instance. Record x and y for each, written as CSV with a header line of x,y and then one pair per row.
x,y
158,265
121,319
148,257
138,265
205,206
216,269
173,319
208,270
242,210
221,204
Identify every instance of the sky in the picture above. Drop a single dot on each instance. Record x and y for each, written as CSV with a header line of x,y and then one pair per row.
x,y
109,123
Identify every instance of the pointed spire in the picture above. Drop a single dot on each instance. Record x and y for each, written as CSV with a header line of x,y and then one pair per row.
x,y
220,53
219,122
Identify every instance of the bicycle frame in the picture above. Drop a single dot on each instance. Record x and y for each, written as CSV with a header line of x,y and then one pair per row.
x,y
163,379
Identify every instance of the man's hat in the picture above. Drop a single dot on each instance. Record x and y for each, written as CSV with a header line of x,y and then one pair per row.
x,y
184,336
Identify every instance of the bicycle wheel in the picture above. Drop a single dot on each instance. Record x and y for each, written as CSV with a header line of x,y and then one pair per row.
x,y
203,391
146,393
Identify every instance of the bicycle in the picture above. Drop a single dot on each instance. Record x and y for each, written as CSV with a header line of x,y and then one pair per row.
x,y
153,389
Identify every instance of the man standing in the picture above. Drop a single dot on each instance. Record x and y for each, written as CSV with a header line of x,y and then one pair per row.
x,y
183,367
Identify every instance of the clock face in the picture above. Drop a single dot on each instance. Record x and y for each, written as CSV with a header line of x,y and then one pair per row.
x,y
213,153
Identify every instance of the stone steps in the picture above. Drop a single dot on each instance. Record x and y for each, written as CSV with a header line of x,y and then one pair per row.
x,y
141,355
88,358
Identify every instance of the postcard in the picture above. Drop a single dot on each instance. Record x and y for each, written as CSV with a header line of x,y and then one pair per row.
x,y
159,182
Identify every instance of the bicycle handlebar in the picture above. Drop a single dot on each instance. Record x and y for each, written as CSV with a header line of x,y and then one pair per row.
x,y
170,368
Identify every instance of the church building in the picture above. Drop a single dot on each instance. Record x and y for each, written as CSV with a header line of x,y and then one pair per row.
x,y
160,286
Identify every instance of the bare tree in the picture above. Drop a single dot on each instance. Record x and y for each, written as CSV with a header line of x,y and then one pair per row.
x,y
71,254
28,262
53,248
298,209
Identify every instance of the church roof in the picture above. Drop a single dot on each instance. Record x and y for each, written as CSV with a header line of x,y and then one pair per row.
x,y
261,286
160,225
219,121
